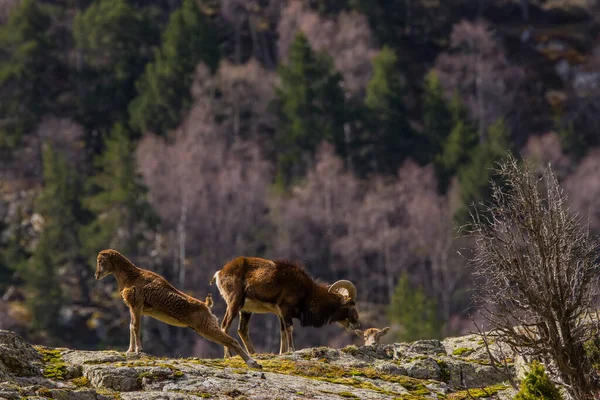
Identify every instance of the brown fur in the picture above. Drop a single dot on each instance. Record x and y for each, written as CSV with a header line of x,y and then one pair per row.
x,y
372,336
147,293
256,285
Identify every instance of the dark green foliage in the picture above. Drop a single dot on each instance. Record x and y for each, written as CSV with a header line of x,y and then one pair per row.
x,y
592,351
58,245
28,71
438,121
458,146
12,258
422,22
572,141
330,7
45,296
537,386
387,18
475,177
390,137
164,88
414,312
118,199
310,104
115,41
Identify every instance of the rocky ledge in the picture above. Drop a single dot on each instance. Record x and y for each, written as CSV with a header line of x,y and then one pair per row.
x,y
455,368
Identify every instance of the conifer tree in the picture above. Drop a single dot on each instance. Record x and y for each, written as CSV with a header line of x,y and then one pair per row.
x,y
458,146
59,246
28,64
475,177
311,108
390,137
437,115
119,199
414,312
115,40
164,88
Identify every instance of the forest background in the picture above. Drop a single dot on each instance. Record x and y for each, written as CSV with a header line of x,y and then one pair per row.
x,y
351,135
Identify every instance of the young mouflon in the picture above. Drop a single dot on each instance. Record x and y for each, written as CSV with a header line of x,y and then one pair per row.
x,y
147,293
372,336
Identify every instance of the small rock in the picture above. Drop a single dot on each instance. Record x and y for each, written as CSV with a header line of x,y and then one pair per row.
x,y
426,368
390,368
121,379
17,357
59,394
430,347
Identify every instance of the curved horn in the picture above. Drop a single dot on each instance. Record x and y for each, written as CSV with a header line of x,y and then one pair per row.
x,y
343,284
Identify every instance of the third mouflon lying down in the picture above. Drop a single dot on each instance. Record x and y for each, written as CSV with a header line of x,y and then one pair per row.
x,y
147,293
256,285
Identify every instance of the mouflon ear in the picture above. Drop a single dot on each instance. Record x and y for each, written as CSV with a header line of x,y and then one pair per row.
x,y
359,332
384,331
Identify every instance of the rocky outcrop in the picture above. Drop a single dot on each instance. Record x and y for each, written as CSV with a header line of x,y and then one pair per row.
x,y
419,370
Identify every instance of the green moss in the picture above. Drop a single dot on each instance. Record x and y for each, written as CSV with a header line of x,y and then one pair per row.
x,y
418,358
352,350
444,370
108,393
462,351
94,362
44,392
81,381
54,365
325,372
348,395
477,393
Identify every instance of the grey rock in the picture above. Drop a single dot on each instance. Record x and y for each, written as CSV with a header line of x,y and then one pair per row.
x,y
80,357
60,394
471,374
430,347
426,368
121,379
318,353
17,357
390,368
9,394
366,372
159,396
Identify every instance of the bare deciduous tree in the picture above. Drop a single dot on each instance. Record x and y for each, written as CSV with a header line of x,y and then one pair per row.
x,y
347,38
66,138
539,273
545,149
583,186
476,67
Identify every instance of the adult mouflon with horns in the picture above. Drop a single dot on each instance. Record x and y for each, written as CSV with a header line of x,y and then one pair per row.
x,y
256,285
147,293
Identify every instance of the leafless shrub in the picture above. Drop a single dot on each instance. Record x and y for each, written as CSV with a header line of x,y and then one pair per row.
x,y
539,273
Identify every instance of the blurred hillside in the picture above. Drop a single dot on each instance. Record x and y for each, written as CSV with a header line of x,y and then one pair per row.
x,y
349,134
